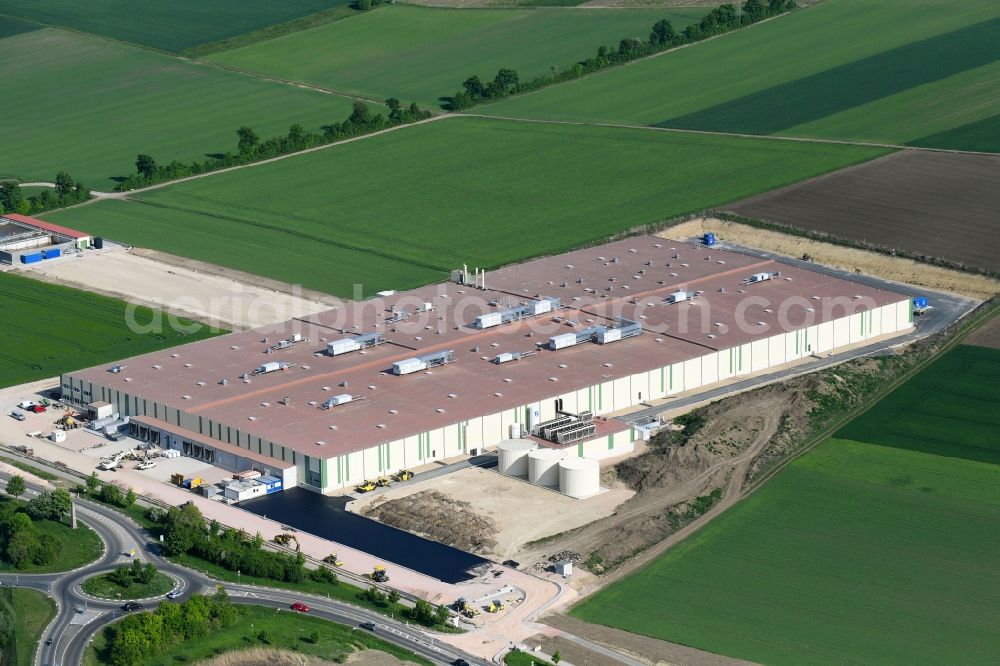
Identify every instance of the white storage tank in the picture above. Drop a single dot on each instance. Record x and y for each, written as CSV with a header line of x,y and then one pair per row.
x,y
579,477
543,467
513,456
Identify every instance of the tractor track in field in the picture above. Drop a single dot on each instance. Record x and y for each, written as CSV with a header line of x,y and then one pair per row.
x,y
737,135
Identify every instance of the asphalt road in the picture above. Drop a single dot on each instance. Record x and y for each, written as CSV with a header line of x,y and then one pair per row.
x,y
944,310
79,617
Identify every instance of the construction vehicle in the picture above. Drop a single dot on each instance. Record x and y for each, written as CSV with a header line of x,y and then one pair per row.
x,y
332,559
463,607
403,475
378,575
113,462
284,539
495,606
366,486
382,482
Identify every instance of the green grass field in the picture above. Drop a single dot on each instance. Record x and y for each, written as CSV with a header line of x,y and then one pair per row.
x,y
875,70
50,329
12,26
33,611
857,552
171,26
951,409
424,53
79,547
457,190
286,629
89,106
105,588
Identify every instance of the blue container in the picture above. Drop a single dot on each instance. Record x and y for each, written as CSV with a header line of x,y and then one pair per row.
x,y
919,302
52,253
31,258
709,239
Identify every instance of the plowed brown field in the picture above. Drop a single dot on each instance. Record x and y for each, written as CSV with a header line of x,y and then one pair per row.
x,y
935,204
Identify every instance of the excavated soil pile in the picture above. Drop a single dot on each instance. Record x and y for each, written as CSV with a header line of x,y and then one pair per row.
x,y
439,517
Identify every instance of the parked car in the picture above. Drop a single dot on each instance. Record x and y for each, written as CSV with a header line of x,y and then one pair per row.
x,y
146,464
132,606
460,662
300,607
173,594
370,626
18,415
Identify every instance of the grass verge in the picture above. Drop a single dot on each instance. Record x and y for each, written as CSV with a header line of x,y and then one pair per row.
x,y
268,627
33,610
103,587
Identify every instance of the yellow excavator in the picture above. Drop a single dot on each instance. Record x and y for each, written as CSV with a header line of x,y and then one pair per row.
x,y
379,575
404,475
494,607
332,559
382,482
366,487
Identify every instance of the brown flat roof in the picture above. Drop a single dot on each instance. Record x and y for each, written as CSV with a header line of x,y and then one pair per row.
x,y
640,272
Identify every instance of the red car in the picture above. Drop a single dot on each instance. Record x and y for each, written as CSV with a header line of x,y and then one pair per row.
x,y
300,607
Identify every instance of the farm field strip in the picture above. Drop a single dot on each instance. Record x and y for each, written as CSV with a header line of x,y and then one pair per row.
x,y
128,100
894,548
538,193
764,79
171,26
51,329
424,53
933,204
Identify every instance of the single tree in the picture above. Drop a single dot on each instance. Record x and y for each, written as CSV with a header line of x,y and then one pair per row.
x,y
360,115
556,657
441,614
15,486
474,86
393,596
248,140
11,197
93,482
663,33
64,184
145,165
505,79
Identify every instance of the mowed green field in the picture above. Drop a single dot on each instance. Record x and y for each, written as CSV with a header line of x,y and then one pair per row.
x,y
894,71
951,409
425,53
171,26
48,329
404,208
858,552
89,106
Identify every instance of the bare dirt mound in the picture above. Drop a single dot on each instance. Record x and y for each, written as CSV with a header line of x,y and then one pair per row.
x,y
439,517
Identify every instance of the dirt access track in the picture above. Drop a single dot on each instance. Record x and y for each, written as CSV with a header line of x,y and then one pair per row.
x,y
934,204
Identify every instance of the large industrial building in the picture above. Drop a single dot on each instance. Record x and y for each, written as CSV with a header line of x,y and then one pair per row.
x,y
28,240
544,349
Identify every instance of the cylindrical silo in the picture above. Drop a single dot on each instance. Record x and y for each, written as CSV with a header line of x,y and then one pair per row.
x,y
513,456
543,467
579,477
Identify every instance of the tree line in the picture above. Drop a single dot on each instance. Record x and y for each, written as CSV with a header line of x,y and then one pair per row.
x,y
250,148
21,542
66,193
662,36
141,636
185,532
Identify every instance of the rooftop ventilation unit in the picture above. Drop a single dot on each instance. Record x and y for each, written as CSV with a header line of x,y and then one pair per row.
x,y
336,400
507,357
530,309
273,366
418,363
677,297
347,345
566,428
602,335
761,277
288,342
